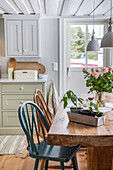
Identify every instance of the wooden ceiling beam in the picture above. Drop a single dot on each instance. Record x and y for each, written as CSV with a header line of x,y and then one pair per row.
x,y
35,6
17,7
31,6
79,7
96,7
62,7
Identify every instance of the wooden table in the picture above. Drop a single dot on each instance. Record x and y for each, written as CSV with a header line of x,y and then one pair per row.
x,y
98,140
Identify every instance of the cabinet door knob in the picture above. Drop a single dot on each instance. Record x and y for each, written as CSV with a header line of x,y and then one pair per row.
x,y
21,102
19,50
24,50
21,88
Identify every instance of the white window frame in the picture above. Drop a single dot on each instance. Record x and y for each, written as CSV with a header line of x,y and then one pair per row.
x,y
86,40
64,50
68,41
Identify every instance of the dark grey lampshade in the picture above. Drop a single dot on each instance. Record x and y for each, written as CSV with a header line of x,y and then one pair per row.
x,y
93,45
107,40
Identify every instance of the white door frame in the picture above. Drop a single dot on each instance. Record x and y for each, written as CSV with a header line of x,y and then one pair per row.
x,y
64,30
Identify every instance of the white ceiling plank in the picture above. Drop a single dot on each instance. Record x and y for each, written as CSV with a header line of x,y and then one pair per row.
x,y
87,7
70,7
35,6
29,6
7,7
42,7
52,7
2,11
21,6
13,5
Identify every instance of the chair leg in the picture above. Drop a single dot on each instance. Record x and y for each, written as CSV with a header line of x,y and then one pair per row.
x,y
46,165
36,164
41,164
74,163
62,166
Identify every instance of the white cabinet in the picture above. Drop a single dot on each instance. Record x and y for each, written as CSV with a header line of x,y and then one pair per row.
x,y
22,37
14,38
30,40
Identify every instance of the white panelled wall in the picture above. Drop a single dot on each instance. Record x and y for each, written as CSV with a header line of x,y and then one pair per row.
x,y
49,50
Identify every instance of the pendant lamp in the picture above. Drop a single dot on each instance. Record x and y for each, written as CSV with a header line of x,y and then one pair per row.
x,y
93,44
107,40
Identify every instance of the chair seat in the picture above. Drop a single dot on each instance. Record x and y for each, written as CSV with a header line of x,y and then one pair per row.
x,y
55,153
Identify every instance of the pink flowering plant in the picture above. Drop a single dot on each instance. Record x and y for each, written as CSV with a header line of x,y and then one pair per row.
x,y
99,81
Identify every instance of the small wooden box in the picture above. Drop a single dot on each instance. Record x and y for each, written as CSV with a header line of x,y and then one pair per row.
x,y
85,119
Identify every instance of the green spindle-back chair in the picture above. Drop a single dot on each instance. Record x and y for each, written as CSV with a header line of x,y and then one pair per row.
x,y
41,150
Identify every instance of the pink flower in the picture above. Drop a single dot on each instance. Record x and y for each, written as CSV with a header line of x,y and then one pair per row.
x,y
92,69
83,70
105,70
97,69
95,74
110,68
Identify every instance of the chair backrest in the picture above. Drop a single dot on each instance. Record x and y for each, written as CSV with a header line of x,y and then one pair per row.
x,y
40,101
27,117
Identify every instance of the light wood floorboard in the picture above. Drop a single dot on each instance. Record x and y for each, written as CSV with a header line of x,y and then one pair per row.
x,y
25,162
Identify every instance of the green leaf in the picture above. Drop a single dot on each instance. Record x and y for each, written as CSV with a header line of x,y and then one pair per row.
x,y
65,99
65,105
74,97
80,100
69,94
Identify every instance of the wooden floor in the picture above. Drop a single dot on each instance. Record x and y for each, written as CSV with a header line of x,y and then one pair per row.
x,y
24,162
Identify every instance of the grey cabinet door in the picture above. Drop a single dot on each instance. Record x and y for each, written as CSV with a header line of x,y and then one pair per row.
x,y
30,38
14,38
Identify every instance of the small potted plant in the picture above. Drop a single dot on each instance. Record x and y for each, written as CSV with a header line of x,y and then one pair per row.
x,y
93,110
70,95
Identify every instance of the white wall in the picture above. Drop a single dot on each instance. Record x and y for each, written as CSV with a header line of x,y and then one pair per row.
x,y
49,50
77,82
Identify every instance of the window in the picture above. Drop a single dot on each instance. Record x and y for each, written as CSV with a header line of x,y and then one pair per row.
x,y
79,37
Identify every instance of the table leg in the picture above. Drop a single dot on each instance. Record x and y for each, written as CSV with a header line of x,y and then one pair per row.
x,y
99,158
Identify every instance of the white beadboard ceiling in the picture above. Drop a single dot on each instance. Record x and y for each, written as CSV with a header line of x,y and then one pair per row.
x,y
77,8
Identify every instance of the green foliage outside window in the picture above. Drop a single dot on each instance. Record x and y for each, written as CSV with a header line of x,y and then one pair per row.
x,y
80,45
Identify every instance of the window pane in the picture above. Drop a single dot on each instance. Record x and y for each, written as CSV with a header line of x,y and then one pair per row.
x,y
101,49
77,60
95,60
78,31
99,31
78,46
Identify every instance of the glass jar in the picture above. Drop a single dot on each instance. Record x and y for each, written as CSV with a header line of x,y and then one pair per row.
x,y
10,73
100,99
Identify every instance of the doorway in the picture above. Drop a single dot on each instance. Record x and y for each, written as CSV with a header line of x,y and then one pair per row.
x,y
78,36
